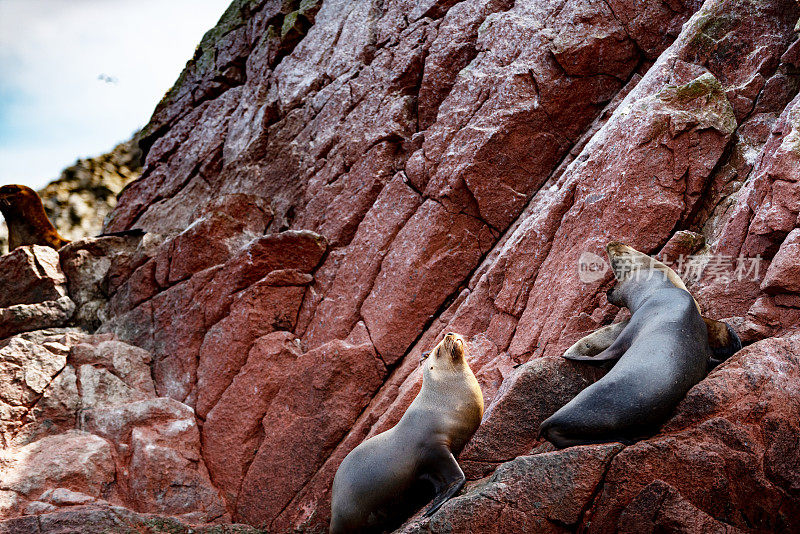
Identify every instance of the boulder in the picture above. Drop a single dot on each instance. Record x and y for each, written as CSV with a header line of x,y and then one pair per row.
x,y
31,275
158,457
33,291
75,460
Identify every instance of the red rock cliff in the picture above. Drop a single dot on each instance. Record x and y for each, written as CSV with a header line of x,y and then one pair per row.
x,y
331,185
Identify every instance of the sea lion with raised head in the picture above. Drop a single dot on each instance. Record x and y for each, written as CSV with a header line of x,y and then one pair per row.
x,y
27,222
384,479
722,339
663,351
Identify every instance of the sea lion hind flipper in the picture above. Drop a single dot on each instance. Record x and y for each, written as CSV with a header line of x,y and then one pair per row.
x,y
446,476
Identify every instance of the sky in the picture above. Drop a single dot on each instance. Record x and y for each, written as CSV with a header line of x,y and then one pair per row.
x,y
77,77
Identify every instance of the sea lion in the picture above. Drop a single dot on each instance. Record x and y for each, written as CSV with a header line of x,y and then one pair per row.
x,y
663,351
722,339
27,222
381,482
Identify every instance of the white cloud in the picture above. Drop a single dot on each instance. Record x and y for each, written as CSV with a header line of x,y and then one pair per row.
x,y
53,107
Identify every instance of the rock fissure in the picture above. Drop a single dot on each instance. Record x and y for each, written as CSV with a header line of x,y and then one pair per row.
x,y
596,491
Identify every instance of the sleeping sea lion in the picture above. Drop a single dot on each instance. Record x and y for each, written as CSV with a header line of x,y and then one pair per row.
x,y
722,339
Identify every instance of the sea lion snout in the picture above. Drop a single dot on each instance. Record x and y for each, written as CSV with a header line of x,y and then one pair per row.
x,y
458,348
616,247
6,193
451,345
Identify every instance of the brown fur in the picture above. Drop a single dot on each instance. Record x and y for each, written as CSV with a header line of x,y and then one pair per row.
x,y
27,222
718,335
380,483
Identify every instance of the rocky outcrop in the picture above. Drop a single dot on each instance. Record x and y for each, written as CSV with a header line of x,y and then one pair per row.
x,y
88,428
331,186
33,291
102,519
78,201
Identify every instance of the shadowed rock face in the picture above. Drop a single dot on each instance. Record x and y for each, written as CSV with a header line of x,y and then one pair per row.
x,y
329,187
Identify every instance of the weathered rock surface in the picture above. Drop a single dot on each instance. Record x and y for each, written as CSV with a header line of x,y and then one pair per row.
x,y
81,424
31,363
31,275
546,492
332,185
33,291
95,268
103,519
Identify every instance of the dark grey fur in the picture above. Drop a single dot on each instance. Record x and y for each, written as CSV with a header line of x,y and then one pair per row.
x,y
662,352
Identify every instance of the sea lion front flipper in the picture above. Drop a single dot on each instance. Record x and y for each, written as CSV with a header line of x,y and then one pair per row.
x,y
446,475
602,357
589,346
624,336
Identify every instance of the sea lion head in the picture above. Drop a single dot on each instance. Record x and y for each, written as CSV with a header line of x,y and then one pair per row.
x,y
14,198
9,195
631,268
450,353
626,261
